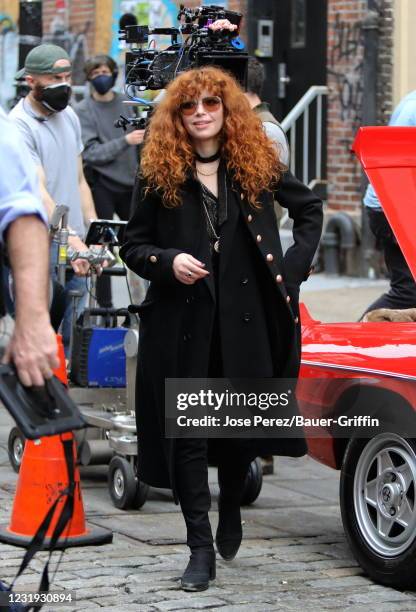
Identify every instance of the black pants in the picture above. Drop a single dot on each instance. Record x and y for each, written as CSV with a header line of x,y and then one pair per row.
x,y
191,471
402,292
109,198
233,457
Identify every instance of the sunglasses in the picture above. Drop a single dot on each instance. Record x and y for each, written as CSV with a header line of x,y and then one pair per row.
x,y
210,104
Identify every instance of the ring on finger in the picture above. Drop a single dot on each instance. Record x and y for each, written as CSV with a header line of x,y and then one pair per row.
x,y
189,273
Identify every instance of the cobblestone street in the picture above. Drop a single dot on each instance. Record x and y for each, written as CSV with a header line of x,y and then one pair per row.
x,y
294,554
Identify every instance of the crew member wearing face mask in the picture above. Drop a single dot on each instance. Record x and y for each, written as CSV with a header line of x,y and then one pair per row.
x,y
52,133
110,155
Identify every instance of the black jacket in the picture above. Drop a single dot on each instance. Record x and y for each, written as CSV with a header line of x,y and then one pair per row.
x,y
259,288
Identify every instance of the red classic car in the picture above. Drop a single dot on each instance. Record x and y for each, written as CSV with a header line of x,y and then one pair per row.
x,y
359,368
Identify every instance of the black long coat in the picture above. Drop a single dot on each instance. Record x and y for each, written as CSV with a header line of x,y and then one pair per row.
x,y
259,291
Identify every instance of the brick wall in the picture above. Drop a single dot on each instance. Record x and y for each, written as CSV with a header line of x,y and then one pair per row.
x,y
70,23
385,62
345,80
48,13
77,15
345,73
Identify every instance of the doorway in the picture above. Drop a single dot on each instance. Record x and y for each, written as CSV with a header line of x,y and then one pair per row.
x,y
290,38
299,29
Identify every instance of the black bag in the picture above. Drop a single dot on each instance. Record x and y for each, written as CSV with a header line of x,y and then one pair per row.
x,y
39,411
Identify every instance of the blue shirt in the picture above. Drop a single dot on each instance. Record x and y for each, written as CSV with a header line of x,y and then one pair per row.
x,y
404,114
19,187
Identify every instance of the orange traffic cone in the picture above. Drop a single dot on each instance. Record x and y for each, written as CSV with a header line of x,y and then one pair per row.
x,y
60,372
43,476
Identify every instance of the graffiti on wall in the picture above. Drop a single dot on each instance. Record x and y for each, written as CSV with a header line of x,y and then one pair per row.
x,y
75,42
8,58
154,13
59,32
346,69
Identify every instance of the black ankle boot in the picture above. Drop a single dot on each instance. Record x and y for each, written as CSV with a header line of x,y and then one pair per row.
x,y
229,530
200,570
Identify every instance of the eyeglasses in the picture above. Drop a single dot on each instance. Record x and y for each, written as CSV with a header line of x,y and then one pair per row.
x,y
210,104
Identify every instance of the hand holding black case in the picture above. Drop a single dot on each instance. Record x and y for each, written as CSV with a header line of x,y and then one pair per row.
x,y
39,411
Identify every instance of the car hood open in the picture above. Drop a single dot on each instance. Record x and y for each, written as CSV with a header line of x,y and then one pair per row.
x,y
388,156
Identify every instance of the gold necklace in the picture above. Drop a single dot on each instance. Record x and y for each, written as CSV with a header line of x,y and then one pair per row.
x,y
208,174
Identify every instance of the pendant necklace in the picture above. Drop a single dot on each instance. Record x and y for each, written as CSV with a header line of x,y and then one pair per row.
x,y
217,238
206,160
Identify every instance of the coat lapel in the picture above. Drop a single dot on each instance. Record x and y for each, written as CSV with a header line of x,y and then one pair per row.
x,y
200,237
228,228
205,256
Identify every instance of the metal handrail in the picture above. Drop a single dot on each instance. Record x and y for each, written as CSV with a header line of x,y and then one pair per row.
x,y
301,109
300,106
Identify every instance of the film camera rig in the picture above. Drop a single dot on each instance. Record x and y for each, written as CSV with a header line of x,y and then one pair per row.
x,y
193,44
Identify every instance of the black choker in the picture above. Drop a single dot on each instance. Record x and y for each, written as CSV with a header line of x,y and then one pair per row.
x,y
208,160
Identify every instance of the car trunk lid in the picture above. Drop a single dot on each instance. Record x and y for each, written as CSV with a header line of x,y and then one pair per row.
x,y
388,156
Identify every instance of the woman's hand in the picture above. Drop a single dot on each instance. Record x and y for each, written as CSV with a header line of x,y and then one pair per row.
x,y
187,269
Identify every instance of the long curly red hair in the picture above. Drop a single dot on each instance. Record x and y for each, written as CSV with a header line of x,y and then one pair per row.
x,y
168,155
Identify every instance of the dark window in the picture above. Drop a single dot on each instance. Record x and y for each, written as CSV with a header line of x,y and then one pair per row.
x,y
298,25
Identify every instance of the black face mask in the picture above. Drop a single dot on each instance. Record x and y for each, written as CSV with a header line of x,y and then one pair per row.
x,y
55,97
103,83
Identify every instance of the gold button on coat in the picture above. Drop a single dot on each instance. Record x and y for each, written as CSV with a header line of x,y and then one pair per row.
x,y
288,299
242,195
249,218
258,238
269,257
279,278
153,258
296,319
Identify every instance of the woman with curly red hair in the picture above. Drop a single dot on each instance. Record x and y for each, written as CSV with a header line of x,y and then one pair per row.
x,y
223,300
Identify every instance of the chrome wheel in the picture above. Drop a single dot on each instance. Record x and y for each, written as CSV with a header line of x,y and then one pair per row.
x,y
18,447
15,448
125,489
119,485
384,494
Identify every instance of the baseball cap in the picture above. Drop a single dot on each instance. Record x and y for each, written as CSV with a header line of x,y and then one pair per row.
x,y
41,60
